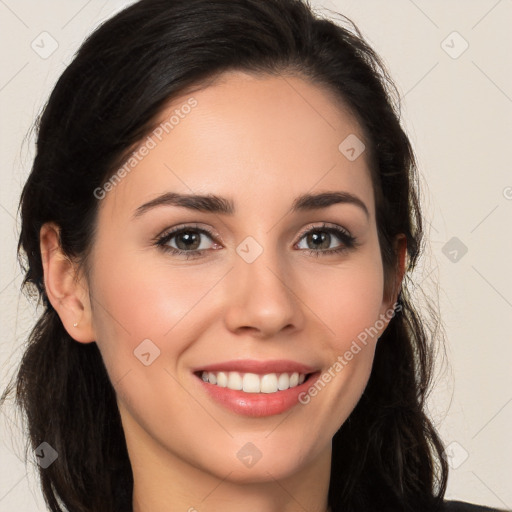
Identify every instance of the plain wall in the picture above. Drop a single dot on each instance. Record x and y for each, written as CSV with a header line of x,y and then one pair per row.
x,y
457,110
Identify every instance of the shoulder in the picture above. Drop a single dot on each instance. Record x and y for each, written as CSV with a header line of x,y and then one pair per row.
x,y
460,506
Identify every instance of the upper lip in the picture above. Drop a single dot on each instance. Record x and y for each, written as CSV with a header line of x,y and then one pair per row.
x,y
259,367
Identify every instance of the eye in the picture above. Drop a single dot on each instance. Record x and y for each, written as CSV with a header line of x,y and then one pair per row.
x,y
322,236
188,241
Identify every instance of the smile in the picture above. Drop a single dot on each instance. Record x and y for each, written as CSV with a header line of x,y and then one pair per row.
x,y
254,383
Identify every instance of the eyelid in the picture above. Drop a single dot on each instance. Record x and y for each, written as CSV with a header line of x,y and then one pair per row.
x,y
183,227
325,225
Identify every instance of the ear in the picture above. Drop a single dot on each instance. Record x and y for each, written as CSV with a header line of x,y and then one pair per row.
x,y
400,247
67,292
390,298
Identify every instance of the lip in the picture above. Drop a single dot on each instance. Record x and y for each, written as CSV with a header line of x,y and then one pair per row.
x,y
257,405
259,367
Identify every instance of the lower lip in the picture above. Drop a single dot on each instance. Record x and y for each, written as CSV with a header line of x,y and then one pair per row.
x,y
258,404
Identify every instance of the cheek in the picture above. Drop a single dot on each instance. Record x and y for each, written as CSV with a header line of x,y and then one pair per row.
x,y
348,299
139,301
141,319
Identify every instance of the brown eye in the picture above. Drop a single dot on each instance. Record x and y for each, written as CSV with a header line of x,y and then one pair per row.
x,y
318,240
188,240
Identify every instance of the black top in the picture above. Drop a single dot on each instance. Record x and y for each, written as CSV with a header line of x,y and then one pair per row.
x,y
460,506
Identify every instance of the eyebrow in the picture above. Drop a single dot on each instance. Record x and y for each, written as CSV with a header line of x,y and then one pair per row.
x,y
212,203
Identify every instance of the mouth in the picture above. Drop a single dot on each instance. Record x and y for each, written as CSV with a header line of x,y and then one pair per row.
x,y
252,382
256,389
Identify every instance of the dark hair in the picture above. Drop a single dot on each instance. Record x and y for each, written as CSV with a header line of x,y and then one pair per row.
x,y
387,454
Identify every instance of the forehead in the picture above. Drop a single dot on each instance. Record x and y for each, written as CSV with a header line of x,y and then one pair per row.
x,y
261,139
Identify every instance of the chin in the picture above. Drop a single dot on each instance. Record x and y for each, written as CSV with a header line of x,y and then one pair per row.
x,y
251,465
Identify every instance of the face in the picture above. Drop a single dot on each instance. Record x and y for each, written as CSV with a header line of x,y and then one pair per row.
x,y
258,290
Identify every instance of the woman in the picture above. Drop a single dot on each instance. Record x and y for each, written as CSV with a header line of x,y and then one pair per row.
x,y
220,221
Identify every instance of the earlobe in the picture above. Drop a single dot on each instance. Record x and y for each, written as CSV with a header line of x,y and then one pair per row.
x,y
66,291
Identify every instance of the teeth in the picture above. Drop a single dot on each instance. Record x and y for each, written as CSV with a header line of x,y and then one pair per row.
x,y
253,383
234,381
222,379
283,382
269,383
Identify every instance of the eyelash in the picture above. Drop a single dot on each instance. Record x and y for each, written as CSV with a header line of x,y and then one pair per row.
x,y
348,240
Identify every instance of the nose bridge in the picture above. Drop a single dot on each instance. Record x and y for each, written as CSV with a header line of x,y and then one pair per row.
x,y
262,296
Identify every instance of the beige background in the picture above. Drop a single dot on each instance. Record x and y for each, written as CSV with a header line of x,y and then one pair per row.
x,y
457,109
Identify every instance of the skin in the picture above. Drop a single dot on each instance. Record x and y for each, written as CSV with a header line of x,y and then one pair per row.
x,y
260,141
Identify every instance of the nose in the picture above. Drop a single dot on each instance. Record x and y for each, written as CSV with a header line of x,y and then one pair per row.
x,y
262,299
